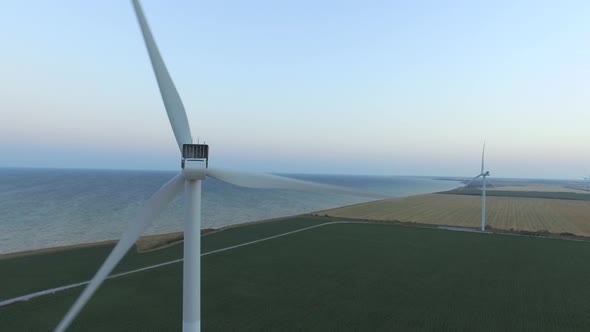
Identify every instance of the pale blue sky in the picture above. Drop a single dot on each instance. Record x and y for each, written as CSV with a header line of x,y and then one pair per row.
x,y
366,87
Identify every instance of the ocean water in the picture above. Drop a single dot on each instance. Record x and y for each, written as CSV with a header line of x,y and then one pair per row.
x,y
41,208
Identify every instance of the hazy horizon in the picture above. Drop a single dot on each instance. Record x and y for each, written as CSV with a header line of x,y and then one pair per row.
x,y
342,87
433,176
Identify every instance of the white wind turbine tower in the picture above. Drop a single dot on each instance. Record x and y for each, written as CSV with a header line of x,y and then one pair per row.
x,y
194,169
482,174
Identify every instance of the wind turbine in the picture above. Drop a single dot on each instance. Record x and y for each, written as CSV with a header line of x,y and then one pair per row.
x,y
194,170
482,174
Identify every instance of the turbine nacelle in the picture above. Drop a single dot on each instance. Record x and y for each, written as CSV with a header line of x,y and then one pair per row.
x,y
487,173
195,160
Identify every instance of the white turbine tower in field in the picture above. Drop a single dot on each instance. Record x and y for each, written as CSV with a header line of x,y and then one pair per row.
x,y
483,174
587,183
194,169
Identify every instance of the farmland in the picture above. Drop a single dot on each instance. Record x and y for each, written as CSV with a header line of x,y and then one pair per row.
x,y
567,195
356,277
507,213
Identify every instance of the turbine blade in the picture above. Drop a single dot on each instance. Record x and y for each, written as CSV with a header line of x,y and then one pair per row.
x,y
144,217
172,101
482,155
468,183
267,181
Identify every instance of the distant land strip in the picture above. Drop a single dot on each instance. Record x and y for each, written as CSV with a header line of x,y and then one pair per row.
x,y
527,194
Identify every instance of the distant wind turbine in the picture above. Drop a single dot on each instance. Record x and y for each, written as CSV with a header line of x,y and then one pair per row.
x,y
194,169
483,174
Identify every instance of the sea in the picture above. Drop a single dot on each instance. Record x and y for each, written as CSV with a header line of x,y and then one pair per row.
x,y
43,208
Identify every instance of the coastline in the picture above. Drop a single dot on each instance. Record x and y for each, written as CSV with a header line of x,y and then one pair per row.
x,y
50,216
164,240
176,236
148,243
18,254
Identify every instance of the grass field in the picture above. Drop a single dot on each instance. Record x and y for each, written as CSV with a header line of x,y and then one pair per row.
x,y
508,213
353,277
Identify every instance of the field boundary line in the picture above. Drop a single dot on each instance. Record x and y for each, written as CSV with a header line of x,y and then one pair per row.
x,y
282,234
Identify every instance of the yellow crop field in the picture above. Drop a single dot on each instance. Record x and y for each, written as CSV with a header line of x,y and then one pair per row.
x,y
508,213
541,188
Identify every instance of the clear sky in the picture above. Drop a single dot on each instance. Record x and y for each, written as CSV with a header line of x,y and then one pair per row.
x,y
361,87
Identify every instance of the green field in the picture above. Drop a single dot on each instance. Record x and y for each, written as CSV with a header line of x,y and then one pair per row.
x,y
356,277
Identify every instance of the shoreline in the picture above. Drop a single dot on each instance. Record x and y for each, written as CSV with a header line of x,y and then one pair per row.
x,y
18,254
164,240
179,235
46,244
205,232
